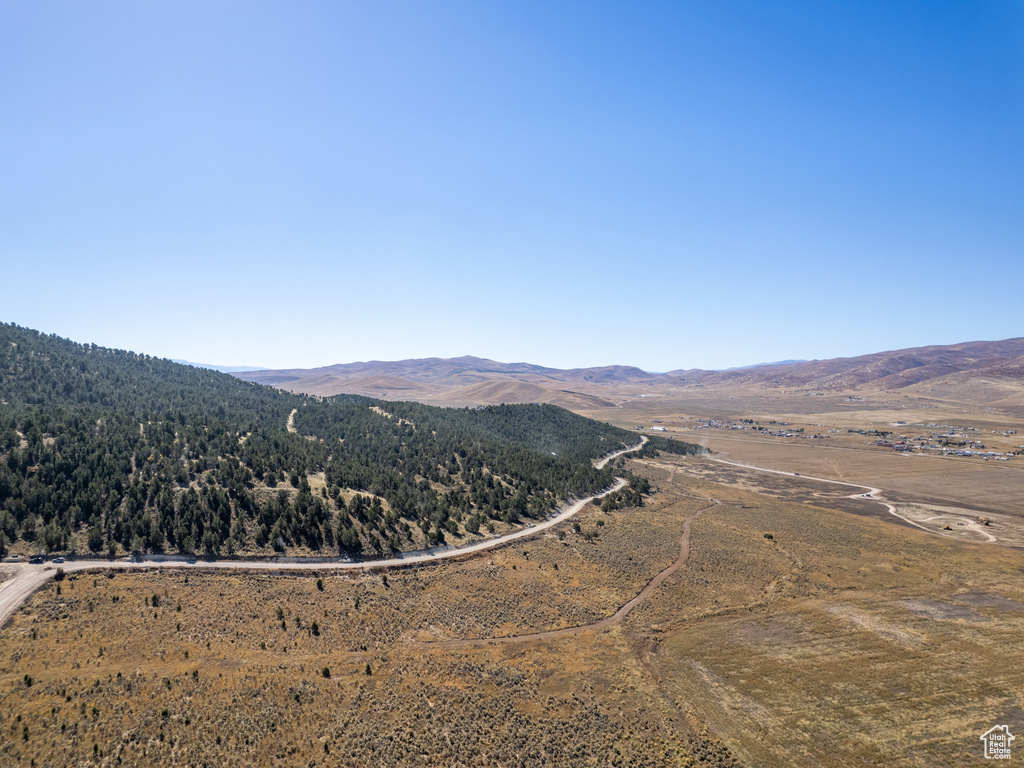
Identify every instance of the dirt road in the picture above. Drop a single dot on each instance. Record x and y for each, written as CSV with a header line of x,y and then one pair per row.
x,y
597,626
601,464
26,579
873,494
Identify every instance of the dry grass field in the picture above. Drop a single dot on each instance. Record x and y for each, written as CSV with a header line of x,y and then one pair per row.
x,y
871,644
844,640
229,669
979,487
875,649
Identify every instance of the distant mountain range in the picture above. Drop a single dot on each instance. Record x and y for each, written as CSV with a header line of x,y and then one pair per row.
x,y
462,380
897,369
221,368
987,371
762,365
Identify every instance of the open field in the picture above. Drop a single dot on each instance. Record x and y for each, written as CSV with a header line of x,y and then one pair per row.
x,y
990,487
846,639
873,644
880,645
253,661
980,488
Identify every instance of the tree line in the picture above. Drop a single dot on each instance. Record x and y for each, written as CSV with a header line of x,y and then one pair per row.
x,y
110,451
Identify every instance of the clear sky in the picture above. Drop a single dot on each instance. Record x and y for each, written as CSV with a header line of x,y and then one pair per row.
x,y
661,184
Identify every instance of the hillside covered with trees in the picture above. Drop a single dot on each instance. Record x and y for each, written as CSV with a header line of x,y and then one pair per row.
x,y
107,451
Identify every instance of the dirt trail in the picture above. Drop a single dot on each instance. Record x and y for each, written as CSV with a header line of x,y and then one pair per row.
x,y
602,462
873,494
290,424
26,578
597,626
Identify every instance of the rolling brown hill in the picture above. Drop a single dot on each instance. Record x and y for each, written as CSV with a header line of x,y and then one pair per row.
x,y
990,372
881,370
458,381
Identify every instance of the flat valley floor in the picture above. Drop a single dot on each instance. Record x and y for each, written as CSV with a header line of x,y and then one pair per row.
x,y
844,639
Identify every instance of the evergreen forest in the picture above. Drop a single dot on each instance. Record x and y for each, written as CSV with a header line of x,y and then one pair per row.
x,y
108,451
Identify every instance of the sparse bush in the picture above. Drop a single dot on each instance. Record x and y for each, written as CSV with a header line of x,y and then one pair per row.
x,y
320,584
327,672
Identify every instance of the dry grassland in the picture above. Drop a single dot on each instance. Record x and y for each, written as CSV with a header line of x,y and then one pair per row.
x,y
845,640
228,669
979,487
986,486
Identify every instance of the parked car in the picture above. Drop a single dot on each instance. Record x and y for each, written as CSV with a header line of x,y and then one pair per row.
x,y
36,560
58,560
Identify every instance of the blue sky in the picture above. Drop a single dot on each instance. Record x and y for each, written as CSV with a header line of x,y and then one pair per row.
x,y
661,184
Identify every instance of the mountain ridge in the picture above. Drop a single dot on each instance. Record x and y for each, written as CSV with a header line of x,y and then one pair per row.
x,y
470,380
116,451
